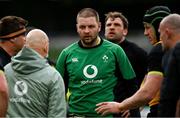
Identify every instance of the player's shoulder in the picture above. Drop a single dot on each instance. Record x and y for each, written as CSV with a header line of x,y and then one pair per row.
x,y
176,50
71,47
157,48
110,44
135,47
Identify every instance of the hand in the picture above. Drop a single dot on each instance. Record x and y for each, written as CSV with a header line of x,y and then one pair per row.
x,y
126,113
105,108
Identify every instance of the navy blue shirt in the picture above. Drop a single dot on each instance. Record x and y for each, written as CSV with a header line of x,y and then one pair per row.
x,y
5,58
170,90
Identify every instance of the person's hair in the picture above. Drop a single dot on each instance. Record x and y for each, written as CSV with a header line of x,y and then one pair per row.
x,y
12,26
154,16
116,14
88,12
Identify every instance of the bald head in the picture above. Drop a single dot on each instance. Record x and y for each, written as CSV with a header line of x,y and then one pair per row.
x,y
169,30
39,41
172,22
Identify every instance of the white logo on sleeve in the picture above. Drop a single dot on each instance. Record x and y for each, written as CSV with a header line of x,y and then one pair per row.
x,y
93,70
74,59
20,88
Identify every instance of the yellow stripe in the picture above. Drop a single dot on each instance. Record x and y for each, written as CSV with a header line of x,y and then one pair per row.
x,y
155,100
158,42
155,72
68,94
1,72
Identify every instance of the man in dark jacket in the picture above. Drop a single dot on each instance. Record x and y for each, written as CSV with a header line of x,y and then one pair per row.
x,y
170,91
116,29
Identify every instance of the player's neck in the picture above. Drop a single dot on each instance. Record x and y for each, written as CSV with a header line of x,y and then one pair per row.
x,y
121,40
93,44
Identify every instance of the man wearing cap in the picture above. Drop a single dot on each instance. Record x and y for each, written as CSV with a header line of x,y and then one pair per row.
x,y
152,19
154,77
12,38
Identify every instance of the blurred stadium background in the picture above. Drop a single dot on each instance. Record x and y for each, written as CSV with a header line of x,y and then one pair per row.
x,y
58,18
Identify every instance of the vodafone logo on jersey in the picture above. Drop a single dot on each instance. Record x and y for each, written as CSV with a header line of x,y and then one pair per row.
x,y
90,71
20,88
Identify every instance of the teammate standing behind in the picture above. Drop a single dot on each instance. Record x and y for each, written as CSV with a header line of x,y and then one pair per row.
x,y
12,39
170,91
89,66
36,89
116,29
149,92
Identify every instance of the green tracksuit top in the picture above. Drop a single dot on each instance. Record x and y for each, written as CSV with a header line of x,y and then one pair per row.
x,y
35,88
91,74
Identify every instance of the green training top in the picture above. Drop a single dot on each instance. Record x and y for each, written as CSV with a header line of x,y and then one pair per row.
x,y
90,73
35,88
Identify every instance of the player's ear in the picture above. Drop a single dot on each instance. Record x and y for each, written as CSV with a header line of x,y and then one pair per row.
x,y
169,33
125,31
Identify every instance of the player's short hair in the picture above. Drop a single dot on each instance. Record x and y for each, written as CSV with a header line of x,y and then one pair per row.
x,y
116,14
88,12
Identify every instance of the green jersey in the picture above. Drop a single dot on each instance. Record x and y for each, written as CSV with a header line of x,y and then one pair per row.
x,y
91,74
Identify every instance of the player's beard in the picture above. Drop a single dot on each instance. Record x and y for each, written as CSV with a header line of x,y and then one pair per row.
x,y
89,40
